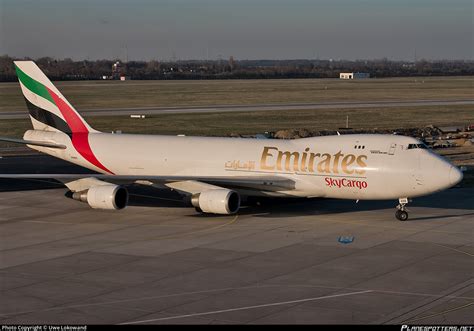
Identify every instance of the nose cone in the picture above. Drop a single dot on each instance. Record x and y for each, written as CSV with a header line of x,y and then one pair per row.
x,y
455,175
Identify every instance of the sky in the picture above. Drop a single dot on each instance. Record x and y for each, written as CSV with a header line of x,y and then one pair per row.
x,y
245,29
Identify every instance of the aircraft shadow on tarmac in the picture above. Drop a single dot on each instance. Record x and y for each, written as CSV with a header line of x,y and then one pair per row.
x,y
143,196
288,207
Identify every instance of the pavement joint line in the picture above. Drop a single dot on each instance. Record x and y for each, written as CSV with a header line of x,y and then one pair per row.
x,y
454,249
433,229
377,275
76,237
50,214
416,308
381,291
428,295
135,299
440,313
46,222
121,228
178,236
47,280
300,269
246,308
229,289
365,223
43,281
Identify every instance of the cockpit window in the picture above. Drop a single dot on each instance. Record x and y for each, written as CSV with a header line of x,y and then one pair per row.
x,y
413,146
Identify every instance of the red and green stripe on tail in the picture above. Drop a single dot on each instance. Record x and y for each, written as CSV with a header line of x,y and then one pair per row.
x,y
73,124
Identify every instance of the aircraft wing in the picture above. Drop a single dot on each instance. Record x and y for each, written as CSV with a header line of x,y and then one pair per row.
x,y
266,183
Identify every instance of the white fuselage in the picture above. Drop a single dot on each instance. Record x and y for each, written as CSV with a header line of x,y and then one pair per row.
x,y
347,167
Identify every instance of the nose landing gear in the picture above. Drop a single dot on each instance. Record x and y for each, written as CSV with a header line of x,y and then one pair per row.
x,y
401,213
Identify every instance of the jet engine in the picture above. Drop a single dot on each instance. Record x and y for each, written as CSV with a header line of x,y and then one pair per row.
x,y
218,201
104,197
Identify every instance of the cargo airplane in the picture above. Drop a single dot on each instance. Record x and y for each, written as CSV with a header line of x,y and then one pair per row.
x,y
214,173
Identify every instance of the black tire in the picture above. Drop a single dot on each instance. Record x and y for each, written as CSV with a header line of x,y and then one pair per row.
x,y
401,215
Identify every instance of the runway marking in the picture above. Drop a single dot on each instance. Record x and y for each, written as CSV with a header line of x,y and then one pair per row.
x,y
137,299
454,249
47,222
178,235
381,291
246,308
178,110
223,290
441,313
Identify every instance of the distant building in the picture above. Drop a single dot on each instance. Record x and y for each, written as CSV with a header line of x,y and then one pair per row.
x,y
116,70
354,75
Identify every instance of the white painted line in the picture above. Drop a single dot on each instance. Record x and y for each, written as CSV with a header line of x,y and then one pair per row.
x,y
189,110
245,308
45,222
133,300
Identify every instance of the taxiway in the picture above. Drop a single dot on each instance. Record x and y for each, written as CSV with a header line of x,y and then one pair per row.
x,y
281,262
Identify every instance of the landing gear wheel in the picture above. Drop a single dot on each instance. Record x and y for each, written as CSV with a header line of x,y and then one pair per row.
x,y
401,215
199,210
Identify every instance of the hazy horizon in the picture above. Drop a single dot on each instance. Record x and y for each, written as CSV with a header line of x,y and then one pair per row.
x,y
246,30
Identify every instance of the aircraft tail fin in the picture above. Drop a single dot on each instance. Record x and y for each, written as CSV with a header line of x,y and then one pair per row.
x,y
49,110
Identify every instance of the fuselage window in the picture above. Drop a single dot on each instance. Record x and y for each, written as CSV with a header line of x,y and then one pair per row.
x,y
413,146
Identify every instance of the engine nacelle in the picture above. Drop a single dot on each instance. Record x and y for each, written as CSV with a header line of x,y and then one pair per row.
x,y
104,197
218,201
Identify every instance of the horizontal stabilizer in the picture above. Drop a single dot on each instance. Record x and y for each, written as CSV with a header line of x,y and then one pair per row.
x,y
33,143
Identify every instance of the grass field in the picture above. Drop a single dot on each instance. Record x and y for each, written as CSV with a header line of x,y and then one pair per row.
x,y
116,94
222,124
111,94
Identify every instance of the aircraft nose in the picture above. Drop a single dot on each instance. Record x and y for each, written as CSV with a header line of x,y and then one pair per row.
x,y
455,175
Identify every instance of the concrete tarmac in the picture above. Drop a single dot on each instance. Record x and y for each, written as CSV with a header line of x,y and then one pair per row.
x,y
159,262
246,108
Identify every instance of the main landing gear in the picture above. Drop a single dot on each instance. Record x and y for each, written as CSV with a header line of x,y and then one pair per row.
x,y
401,213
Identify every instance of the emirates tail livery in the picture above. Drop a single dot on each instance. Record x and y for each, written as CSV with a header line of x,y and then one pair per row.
x,y
214,173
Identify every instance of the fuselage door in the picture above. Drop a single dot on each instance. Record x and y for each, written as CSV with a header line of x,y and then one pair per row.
x,y
391,151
